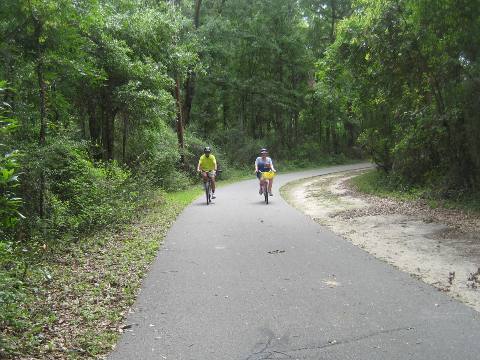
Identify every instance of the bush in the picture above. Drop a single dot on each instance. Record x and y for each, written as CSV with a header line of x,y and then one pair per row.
x,y
9,202
417,153
238,147
378,147
155,157
79,195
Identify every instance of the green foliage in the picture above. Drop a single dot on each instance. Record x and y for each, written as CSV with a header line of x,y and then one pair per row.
x,y
9,202
408,70
378,147
90,129
384,184
256,76
80,195
390,185
12,288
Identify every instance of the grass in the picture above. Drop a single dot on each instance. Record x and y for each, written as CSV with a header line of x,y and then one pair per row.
x,y
377,183
76,312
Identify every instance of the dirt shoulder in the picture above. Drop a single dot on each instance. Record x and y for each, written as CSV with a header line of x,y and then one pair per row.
x,y
439,246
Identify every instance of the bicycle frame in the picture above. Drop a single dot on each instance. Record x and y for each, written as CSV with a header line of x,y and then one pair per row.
x,y
265,189
208,188
264,184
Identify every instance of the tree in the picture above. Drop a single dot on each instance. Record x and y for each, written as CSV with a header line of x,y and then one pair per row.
x,y
9,201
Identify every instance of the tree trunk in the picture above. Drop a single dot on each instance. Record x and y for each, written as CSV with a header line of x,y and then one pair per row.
x,y
189,93
295,127
42,86
42,92
181,143
94,128
43,110
190,83
350,134
327,137
242,112
198,4
334,16
319,130
253,118
124,140
108,122
224,108
335,140
107,134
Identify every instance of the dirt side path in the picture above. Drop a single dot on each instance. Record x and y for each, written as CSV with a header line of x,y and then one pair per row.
x,y
439,246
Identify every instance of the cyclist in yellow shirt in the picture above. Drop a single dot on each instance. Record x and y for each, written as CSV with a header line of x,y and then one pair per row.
x,y
207,165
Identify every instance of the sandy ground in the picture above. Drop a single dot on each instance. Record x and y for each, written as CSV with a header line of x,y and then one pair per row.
x,y
439,246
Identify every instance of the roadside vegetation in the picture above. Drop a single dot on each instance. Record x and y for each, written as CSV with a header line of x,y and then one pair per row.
x,y
381,184
72,303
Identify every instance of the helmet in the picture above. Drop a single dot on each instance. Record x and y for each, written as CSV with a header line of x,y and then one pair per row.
x,y
263,150
207,149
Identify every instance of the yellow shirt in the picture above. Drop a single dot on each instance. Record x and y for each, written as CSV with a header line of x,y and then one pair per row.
x,y
207,163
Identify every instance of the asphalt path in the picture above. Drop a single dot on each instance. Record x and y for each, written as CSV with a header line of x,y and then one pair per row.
x,y
242,280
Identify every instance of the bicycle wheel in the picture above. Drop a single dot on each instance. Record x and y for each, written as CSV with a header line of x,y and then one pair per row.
x,y
207,191
265,192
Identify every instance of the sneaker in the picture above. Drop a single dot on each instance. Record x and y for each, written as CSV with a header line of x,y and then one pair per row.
x,y
270,193
260,192
213,196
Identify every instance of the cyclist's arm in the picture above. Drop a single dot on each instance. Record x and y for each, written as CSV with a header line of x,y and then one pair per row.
x,y
256,165
198,166
215,162
271,166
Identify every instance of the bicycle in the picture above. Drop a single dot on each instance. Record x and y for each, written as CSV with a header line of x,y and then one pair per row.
x,y
264,177
208,187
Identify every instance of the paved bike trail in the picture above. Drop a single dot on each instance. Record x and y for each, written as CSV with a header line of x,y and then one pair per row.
x,y
241,280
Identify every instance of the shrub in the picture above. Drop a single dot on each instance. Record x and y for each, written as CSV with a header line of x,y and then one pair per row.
x,y
9,202
378,147
79,194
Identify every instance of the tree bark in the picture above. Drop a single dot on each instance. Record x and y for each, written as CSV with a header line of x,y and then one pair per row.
x,y
327,137
94,128
349,127
334,15
180,135
108,122
42,92
124,140
198,4
335,140
225,107
42,86
295,127
191,75
189,93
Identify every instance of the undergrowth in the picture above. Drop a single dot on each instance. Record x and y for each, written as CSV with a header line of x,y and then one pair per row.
x,y
379,183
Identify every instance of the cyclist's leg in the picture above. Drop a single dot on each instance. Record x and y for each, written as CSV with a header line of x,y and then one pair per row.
x,y
212,178
270,183
204,176
260,183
